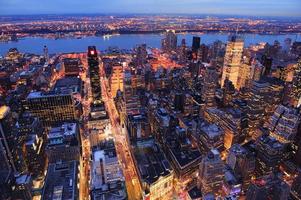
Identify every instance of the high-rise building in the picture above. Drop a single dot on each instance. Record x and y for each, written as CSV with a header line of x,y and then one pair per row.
x,y
196,43
94,71
7,167
296,90
202,54
269,154
268,187
183,52
107,180
62,181
7,140
169,43
116,79
209,87
46,55
242,161
232,61
284,123
31,140
232,120
71,66
155,173
64,143
51,107
264,96
211,173
210,137
296,188
141,55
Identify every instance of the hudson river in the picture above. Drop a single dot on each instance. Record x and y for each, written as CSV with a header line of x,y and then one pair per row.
x,y
127,41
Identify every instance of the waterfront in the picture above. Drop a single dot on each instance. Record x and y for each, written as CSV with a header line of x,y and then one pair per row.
x,y
126,41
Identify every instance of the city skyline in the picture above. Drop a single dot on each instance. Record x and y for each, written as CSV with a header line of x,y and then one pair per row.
x,y
271,8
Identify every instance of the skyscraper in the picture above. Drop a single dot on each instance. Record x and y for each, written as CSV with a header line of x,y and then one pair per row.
x,y
93,63
6,160
46,55
269,154
51,107
209,86
296,93
169,43
242,161
196,43
232,61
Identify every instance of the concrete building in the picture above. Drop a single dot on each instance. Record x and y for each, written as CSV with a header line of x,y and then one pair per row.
x,y
107,180
154,171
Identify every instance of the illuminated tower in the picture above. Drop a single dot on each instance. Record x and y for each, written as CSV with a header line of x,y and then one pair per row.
x,y
93,63
232,61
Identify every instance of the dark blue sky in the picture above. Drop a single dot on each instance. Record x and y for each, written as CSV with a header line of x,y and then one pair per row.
x,y
231,7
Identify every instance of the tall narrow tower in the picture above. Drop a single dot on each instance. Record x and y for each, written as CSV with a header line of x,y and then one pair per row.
x,y
93,63
232,61
46,55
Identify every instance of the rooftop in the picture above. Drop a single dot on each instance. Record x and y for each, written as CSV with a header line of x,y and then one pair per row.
x,y
151,161
61,181
40,94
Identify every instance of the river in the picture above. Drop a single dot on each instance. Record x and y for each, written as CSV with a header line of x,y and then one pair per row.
x,y
126,41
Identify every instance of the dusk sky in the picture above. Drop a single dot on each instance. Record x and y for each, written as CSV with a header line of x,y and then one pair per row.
x,y
230,7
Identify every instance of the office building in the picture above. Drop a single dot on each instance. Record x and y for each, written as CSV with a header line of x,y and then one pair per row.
x,y
232,185
196,43
296,90
232,120
261,104
7,140
23,185
140,55
209,87
107,180
62,181
284,123
211,173
94,71
71,66
269,154
242,161
116,79
169,43
232,61
64,143
296,188
51,107
154,171
268,187
184,157
208,136
183,52
7,167
46,55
